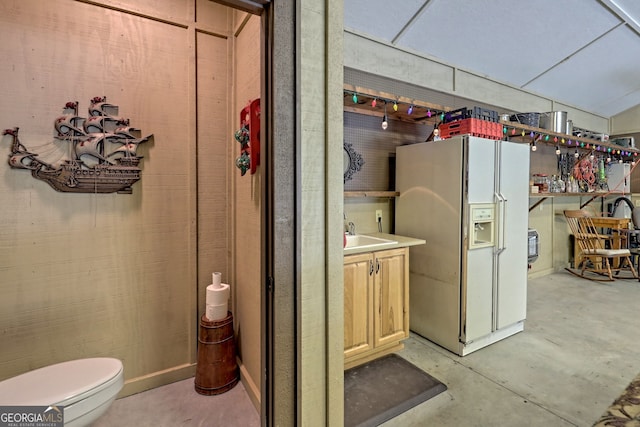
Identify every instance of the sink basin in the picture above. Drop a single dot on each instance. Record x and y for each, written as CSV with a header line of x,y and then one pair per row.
x,y
362,241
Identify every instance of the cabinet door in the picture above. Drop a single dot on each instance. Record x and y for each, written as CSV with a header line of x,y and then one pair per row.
x,y
358,304
391,297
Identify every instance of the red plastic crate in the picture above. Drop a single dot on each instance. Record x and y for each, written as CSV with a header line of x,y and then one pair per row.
x,y
475,127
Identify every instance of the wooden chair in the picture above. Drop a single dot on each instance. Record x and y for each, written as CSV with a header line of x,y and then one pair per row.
x,y
595,257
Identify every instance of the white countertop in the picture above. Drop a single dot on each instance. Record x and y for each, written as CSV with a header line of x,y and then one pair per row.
x,y
403,242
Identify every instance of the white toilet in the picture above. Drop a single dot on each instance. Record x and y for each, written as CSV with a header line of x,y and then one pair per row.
x,y
84,387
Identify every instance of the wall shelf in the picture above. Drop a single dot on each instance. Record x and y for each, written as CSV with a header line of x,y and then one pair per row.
x,y
383,194
592,196
590,144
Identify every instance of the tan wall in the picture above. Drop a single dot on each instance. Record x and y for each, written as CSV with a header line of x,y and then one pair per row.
x,y
117,275
247,210
627,122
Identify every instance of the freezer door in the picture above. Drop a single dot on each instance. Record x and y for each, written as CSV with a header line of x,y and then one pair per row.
x,y
513,217
429,179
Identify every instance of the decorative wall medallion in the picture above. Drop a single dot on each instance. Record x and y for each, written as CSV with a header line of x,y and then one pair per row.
x,y
353,161
102,151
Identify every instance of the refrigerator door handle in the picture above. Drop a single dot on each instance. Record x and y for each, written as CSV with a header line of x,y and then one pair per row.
x,y
500,213
502,220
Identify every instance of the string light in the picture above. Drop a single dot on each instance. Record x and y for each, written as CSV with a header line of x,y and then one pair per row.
x,y
576,154
617,153
385,123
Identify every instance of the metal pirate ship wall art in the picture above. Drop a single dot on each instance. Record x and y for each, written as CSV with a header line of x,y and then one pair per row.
x,y
100,154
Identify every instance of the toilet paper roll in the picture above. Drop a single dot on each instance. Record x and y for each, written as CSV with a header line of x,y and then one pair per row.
x,y
216,312
218,295
217,279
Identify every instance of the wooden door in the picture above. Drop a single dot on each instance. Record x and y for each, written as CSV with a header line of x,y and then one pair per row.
x,y
391,297
358,304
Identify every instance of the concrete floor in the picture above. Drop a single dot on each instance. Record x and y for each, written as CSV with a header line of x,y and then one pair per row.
x,y
579,350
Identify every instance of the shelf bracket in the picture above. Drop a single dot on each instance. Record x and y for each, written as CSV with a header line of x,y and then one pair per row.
x,y
538,203
589,201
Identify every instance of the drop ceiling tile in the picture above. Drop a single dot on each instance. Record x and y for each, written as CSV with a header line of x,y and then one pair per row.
x,y
506,40
606,70
618,105
379,18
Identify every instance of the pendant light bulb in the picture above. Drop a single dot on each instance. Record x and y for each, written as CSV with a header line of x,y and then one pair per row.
x,y
592,156
576,154
557,150
410,110
385,123
428,113
620,160
355,98
395,106
374,102
608,159
534,147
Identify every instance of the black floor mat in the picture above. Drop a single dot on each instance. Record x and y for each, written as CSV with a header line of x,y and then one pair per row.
x,y
384,388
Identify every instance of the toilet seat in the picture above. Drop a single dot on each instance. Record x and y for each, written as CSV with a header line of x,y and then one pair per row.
x,y
62,384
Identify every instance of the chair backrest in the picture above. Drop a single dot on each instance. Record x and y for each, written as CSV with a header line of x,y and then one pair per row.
x,y
582,228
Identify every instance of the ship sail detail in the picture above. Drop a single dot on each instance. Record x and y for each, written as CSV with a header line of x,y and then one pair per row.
x,y
103,148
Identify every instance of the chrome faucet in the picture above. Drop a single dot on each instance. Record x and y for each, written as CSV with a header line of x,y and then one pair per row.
x,y
352,228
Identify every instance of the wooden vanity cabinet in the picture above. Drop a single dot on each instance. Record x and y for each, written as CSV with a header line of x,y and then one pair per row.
x,y
376,304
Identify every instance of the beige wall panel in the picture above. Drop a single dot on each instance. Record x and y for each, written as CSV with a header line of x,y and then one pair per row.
x,y
472,86
214,161
246,287
541,218
179,11
312,158
364,54
626,122
97,275
213,17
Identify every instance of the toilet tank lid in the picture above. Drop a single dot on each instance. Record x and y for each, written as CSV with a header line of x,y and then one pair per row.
x,y
54,384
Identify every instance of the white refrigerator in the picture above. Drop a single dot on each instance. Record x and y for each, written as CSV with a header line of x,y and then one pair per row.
x,y
468,197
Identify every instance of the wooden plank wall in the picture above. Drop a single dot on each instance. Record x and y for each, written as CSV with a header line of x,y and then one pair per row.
x,y
86,275
247,201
